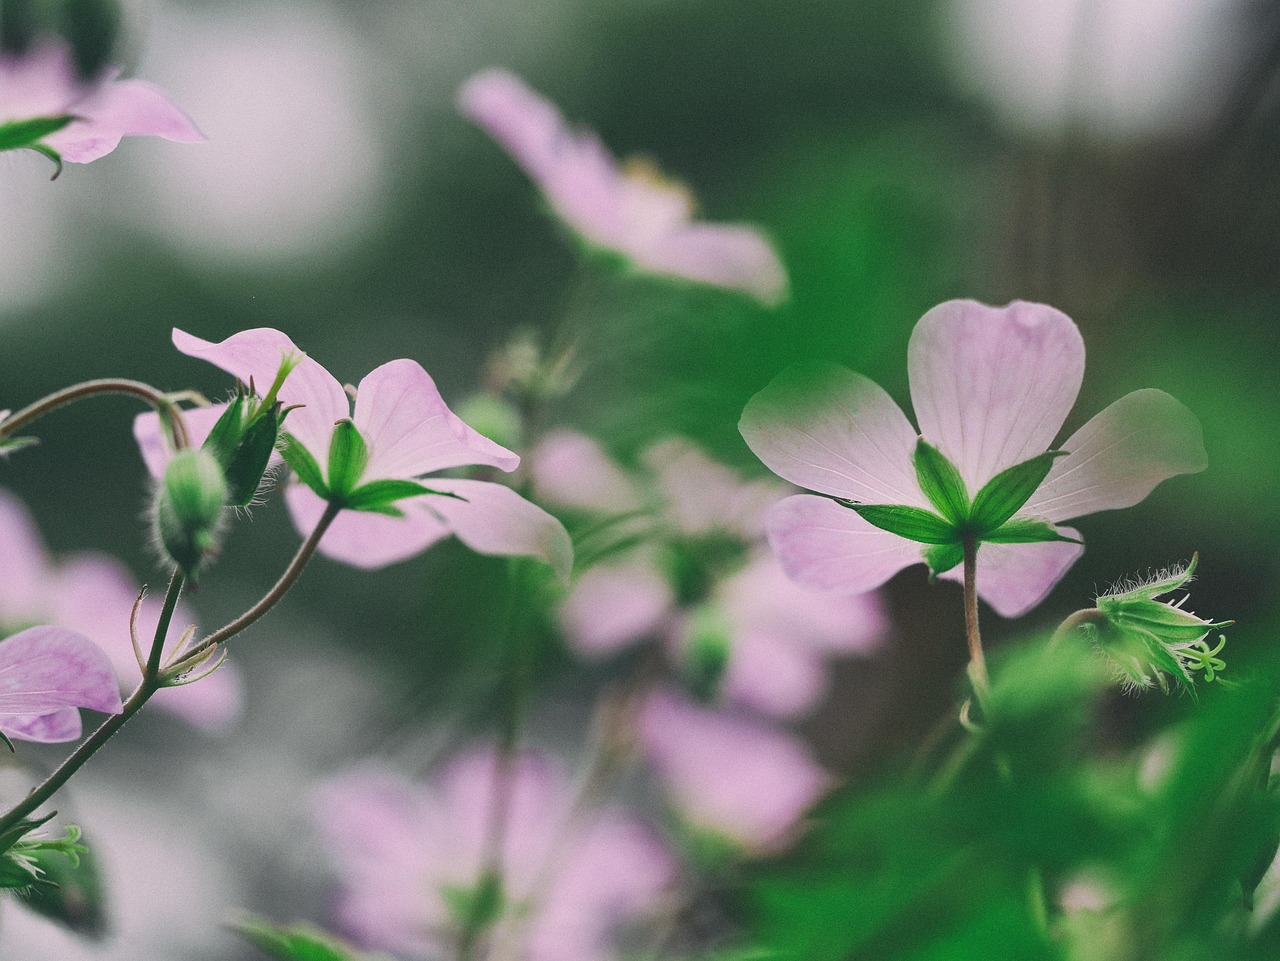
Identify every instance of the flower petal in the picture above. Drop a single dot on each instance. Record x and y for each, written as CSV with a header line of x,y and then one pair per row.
x,y
723,255
614,605
826,547
493,519
256,355
703,496
770,675
836,432
991,386
410,431
1014,578
24,584
45,669
62,725
153,440
570,469
1120,455
121,108
364,539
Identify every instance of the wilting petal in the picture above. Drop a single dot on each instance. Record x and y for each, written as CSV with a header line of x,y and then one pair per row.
x,y
614,605
826,547
743,780
1120,455
493,519
721,255
410,431
44,670
836,432
256,355
24,582
991,386
364,539
121,108
570,469
1014,578
153,439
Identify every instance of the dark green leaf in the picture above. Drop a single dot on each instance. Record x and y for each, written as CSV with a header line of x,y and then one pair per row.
x,y
348,457
1026,530
293,944
1004,494
28,133
942,558
913,523
304,465
941,482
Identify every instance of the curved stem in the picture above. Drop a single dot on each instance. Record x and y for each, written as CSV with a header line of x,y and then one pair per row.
x,y
96,388
977,660
1081,618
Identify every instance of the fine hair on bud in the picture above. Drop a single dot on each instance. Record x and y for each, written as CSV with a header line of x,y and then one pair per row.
x,y
188,509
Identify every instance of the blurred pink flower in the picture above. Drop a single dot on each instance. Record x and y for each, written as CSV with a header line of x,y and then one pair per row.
x,y
991,388
41,84
629,209
736,778
779,635
410,854
46,675
93,594
409,433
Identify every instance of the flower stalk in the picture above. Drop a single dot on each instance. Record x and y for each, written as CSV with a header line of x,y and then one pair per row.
x,y
169,412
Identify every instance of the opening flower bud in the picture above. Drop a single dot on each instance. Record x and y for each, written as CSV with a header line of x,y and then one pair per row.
x,y
188,509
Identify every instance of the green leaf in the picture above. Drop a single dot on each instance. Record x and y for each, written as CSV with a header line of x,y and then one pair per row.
x,y
942,558
348,457
1004,494
380,494
302,463
298,943
941,482
1026,530
28,133
913,523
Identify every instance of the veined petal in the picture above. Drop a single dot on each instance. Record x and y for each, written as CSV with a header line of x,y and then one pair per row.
x,y
256,355
836,432
45,669
61,725
493,519
1014,578
722,255
153,440
1120,455
410,431
826,547
614,605
24,584
363,539
991,386
121,108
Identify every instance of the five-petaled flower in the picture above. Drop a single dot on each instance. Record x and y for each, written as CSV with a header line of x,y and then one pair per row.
x,y
991,388
45,106
370,463
629,208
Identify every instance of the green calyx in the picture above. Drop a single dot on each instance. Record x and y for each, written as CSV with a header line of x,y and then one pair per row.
x,y
956,519
188,509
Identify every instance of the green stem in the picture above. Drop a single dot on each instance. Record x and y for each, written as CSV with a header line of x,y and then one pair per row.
x,y
977,660
162,627
1081,618
96,388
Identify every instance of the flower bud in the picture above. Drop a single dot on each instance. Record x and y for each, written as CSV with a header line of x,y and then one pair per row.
x,y
188,508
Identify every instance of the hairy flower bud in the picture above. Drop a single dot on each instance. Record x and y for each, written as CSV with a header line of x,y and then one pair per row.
x,y
188,509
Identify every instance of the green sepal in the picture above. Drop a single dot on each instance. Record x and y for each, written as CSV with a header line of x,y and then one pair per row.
x,y
20,830
20,134
298,943
250,458
475,907
941,482
1171,624
913,523
381,494
225,435
303,464
942,558
188,508
7,743
348,457
1003,495
52,154
1027,530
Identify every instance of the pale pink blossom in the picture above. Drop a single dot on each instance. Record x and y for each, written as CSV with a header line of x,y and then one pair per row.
x,y
42,84
409,854
46,675
93,594
625,208
991,387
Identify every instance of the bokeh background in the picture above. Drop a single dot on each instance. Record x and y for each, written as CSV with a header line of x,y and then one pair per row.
x,y
1117,160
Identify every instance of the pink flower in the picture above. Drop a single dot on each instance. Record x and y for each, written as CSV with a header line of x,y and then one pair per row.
x,y
736,778
778,635
408,432
410,855
46,675
627,209
42,85
991,388
93,595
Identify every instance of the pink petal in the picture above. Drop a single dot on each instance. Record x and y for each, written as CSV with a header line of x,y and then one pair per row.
x,y
836,432
826,547
44,670
121,108
24,584
748,782
1120,455
41,82
1014,578
570,469
721,255
703,497
364,539
773,677
63,725
614,605
410,431
153,440
992,386
256,355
